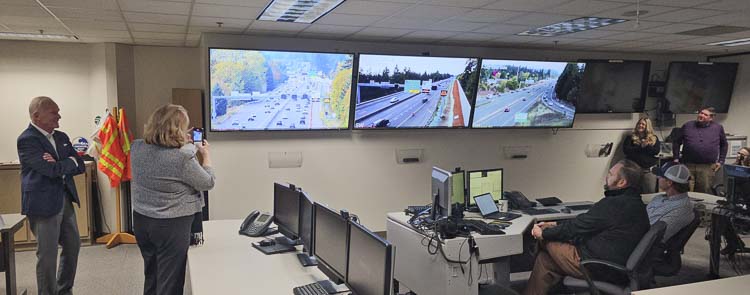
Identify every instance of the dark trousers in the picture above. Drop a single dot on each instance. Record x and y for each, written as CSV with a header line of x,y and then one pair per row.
x,y
60,229
164,245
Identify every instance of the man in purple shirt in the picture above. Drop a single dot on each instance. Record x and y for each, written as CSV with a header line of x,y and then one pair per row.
x,y
704,149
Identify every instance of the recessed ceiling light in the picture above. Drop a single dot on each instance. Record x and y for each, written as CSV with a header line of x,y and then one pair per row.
x,y
572,26
298,11
11,35
730,43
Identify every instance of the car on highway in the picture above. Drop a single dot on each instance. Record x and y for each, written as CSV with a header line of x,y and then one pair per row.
x,y
524,99
507,110
381,123
394,100
251,119
424,99
235,123
443,92
279,123
292,126
302,121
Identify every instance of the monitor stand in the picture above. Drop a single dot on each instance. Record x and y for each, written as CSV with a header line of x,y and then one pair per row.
x,y
332,288
307,260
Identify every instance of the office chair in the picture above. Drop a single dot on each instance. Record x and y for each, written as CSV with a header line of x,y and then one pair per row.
x,y
669,261
632,268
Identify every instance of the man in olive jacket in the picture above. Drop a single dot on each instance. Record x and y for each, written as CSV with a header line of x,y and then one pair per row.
x,y
609,230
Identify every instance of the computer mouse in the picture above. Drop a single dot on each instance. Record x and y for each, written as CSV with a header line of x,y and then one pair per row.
x,y
565,210
266,243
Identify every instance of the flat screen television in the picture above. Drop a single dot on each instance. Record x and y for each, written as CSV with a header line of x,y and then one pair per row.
x,y
527,94
693,85
396,91
254,90
613,86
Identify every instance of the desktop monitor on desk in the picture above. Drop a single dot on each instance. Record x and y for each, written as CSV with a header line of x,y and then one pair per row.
x,y
485,181
737,185
458,180
286,209
330,233
441,193
306,230
370,270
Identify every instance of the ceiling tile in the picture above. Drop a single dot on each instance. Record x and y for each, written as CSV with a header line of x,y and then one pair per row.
x,y
702,40
460,3
728,5
348,19
331,29
678,3
432,12
683,15
629,44
159,42
34,29
140,27
250,3
595,42
104,33
525,5
539,19
631,36
511,39
421,36
406,23
272,33
159,36
155,18
22,11
164,7
212,22
83,24
633,26
227,11
669,38
731,19
277,26
502,29
370,8
200,29
472,37
652,10
553,41
29,21
583,7
90,14
87,4
460,26
93,39
675,28
382,32
487,15
593,34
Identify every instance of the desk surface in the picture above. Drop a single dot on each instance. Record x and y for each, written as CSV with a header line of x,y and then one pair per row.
x,y
11,222
227,264
561,215
733,285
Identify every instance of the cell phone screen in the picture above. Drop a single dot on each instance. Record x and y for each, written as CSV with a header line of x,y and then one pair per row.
x,y
197,135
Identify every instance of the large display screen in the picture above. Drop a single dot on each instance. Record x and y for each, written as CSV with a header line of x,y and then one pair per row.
x,y
520,94
613,86
278,90
414,91
692,85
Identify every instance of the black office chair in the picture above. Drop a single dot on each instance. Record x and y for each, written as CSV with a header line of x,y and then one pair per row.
x,y
669,261
633,268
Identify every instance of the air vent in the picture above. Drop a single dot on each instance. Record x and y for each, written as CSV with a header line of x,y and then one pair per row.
x,y
715,30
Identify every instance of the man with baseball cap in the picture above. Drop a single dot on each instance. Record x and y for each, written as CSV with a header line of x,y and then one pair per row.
x,y
674,206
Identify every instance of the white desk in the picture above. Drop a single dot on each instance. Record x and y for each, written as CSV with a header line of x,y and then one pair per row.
x,y
227,264
425,273
733,285
561,215
9,224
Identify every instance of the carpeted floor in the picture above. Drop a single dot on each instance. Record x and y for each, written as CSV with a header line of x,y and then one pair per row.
x,y
120,270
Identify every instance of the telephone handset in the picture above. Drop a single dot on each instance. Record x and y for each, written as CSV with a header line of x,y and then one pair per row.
x,y
517,200
256,224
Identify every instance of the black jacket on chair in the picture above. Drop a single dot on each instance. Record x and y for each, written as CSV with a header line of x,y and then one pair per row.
x,y
609,230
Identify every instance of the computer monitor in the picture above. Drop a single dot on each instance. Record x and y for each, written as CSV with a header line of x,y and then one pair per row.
x,y
459,186
441,193
330,233
306,230
485,181
737,185
286,202
370,270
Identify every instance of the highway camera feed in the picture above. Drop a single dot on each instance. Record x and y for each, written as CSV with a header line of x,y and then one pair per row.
x,y
526,94
275,90
414,91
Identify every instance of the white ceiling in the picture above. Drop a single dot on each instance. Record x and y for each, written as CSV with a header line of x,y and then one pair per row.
x,y
462,22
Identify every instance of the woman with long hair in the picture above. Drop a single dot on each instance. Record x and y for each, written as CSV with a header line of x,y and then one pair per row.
x,y
167,183
641,147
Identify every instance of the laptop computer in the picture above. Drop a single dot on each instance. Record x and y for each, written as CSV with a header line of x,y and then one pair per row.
x,y
489,210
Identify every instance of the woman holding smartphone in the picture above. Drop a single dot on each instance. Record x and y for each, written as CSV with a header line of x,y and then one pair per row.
x,y
167,183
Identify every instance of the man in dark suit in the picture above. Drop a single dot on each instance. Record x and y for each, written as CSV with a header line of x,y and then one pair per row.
x,y
48,164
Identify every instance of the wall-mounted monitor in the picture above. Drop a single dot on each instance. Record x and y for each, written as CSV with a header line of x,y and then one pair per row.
x,y
613,86
278,90
414,92
527,94
693,85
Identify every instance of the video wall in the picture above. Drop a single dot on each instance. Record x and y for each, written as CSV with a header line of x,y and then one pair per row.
x,y
257,90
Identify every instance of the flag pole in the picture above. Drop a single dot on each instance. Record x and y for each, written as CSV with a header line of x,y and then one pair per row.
x,y
118,237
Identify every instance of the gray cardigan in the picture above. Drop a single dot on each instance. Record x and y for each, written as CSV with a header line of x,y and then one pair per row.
x,y
167,181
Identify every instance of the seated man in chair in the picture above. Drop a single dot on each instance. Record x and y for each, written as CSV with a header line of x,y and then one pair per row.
x,y
609,230
674,208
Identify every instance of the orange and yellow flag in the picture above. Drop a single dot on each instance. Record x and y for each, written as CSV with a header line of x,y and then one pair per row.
x,y
112,160
125,138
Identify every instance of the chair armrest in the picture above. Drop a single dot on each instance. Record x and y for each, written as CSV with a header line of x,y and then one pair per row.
x,y
605,263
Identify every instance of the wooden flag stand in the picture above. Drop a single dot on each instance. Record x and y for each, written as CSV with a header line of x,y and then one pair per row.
x,y
119,237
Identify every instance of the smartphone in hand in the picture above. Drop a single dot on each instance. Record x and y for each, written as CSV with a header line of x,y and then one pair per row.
x,y
198,135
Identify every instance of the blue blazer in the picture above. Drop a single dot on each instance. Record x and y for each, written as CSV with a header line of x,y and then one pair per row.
x,y
42,183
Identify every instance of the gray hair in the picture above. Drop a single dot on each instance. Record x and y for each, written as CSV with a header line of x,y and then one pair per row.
x,y
38,103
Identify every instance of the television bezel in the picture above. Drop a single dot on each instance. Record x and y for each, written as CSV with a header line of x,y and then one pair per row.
x,y
389,256
669,73
323,265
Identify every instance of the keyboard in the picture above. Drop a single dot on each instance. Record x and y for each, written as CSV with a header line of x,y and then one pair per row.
x,y
310,289
580,207
417,209
504,216
534,211
481,227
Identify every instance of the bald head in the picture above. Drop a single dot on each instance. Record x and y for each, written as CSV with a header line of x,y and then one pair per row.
x,y
44,113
